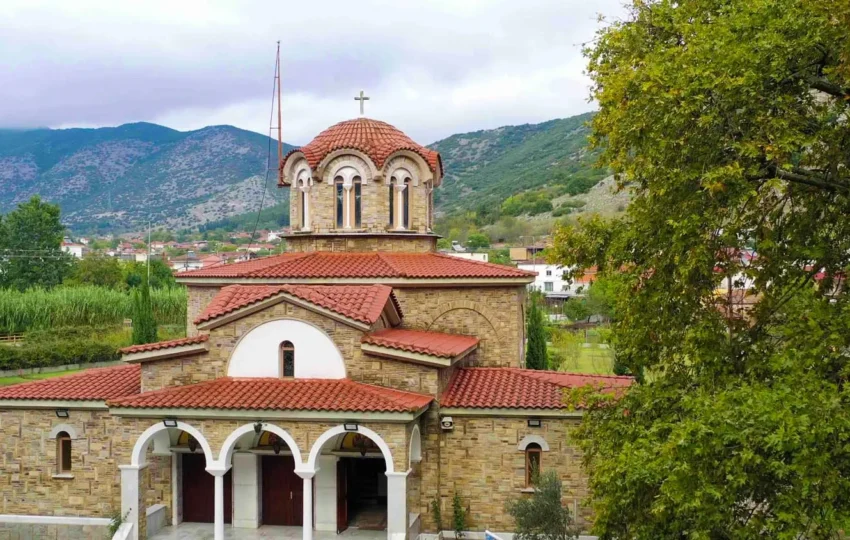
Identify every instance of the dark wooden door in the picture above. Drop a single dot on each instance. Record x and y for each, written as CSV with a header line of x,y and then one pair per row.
x,y
341,496
199,491
283,492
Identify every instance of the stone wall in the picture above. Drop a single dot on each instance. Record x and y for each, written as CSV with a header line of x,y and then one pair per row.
x,y
493,314
389,242
28,464
198,298
30,531
480,460
159,374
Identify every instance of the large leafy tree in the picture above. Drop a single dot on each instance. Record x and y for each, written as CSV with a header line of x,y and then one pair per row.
x,y
30,246
729,121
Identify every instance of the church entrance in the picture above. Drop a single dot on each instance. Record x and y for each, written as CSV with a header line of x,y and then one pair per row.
x,y
199,491
283,491
361,493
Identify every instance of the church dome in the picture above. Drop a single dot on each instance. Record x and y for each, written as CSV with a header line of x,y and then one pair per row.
x,y
376,139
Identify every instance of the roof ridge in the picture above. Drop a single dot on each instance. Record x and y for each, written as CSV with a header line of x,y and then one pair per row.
x,y
383,258
485,263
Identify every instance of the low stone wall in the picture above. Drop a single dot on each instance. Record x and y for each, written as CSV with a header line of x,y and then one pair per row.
x,y
52,528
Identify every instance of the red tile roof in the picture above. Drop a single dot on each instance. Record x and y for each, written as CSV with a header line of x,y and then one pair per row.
x,y
514,388
420,341
362,303
148,347
323,264
376,139
89,385
339,395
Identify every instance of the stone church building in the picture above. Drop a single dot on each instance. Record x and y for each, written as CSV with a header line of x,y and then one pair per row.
x,y
354,382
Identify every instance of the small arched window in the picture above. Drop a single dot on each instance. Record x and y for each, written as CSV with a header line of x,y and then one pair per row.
x,y
63,452
406,204
392,202
287,359
532,463
356,211
340,205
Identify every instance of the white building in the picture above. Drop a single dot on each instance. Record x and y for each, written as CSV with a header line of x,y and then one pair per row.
x,y
481,257
551,280
77,250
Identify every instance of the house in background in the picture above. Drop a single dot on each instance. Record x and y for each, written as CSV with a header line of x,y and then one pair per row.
x,y
77,250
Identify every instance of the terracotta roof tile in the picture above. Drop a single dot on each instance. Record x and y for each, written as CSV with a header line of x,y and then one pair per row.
x,y
340,395
420,341
353,265
147,347
89,385
362,303
376,139
514,388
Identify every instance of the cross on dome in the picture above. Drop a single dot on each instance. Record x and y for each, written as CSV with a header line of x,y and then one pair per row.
x,y
362,99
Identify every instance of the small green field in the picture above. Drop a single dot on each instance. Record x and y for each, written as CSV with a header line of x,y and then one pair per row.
x,y
6,381
591,359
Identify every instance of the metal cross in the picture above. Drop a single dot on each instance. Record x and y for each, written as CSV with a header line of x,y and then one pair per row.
x,y
361,99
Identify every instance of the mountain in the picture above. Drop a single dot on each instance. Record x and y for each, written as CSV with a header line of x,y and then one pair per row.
x,y
116,179
532,162
111,179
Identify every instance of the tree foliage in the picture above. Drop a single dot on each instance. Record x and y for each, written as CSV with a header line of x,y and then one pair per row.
x,y
144,324
98,270
30,246
728,120
535,352
542,516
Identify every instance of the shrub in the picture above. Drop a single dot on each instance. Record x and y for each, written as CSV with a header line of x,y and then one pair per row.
x,y
144,325
48,353
542,516
437,512
458,516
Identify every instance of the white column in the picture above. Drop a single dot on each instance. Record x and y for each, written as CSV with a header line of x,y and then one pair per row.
x,y
218,530
130,499
397,505
306,191
399,207
307,521
324,486
347,205
246,490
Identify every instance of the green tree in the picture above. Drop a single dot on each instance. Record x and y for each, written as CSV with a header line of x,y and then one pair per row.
x,y
30,246
477,241
726,118
144,324
542,516
535,347
100,270
161,274
576,309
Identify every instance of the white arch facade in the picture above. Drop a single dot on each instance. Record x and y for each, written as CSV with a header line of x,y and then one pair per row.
x,y
137,458
533,439
257,353
67,428
226,454
338,430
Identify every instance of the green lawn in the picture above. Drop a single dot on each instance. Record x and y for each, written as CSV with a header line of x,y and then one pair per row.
x,y
593,359
6,381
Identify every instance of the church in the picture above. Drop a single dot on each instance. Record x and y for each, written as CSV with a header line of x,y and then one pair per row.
x,y
357,382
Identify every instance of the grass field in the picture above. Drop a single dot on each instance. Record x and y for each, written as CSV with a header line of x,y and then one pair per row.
x,y
591,359
6,381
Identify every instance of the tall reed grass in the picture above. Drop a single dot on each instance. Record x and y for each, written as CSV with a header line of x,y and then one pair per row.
x,y
39,309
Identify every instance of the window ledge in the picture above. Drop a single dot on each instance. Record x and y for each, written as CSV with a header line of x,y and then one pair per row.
x,y
528,490
63,476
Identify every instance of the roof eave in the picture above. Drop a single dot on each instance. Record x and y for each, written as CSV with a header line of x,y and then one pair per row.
x,y
523,412
166,353
391,281
268,414
426,359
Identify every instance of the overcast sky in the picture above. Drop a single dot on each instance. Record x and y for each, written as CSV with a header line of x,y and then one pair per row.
x,y
431,67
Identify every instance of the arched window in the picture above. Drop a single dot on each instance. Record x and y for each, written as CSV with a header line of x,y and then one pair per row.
x,y
406,204
303,209
392,202
287,359
532,463
340,205
63,452
348,202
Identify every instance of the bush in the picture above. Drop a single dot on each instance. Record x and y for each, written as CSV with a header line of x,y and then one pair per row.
x,y
542,516
458,516
48,353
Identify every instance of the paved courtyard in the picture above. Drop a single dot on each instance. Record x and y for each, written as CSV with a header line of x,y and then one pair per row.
x,y
204,531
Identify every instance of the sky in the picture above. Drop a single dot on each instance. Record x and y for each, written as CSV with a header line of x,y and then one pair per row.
x,y
430,67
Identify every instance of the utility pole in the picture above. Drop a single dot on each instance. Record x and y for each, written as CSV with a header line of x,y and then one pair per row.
x,y
149,252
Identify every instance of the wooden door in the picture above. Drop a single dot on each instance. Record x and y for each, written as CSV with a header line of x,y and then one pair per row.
x,y
199,491
283,492
341,496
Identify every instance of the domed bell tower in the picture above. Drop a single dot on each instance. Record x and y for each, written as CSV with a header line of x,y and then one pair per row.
x,y
361,185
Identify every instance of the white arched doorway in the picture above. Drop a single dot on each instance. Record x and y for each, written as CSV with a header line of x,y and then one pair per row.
x,y
357,483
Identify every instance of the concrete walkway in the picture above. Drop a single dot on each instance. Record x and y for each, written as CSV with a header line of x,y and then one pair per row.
x,y
204,531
